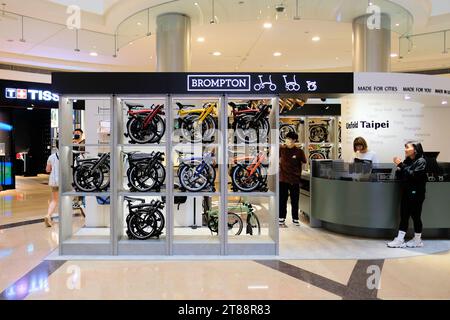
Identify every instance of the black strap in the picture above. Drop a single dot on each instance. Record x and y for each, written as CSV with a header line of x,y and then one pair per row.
x,y
57,155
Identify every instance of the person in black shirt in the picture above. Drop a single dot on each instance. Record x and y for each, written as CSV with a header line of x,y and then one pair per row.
x,y
412,174
292,159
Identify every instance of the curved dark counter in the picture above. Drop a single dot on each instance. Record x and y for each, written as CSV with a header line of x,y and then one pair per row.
x,y
372,209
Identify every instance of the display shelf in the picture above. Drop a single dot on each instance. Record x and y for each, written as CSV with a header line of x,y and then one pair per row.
x,y
90,145
142,194
161,145
148,242
85,194
251,194
196,194
194,145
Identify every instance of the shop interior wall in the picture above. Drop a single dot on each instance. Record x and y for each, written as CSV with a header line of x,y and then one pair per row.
x,y
32,134
408,120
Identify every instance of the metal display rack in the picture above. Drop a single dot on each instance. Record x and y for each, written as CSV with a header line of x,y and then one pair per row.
x,y
111,239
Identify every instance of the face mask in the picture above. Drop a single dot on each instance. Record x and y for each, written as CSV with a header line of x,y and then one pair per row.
x,y
76,136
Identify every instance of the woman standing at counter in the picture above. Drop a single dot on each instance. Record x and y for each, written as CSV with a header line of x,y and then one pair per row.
x,y
362,150
413,176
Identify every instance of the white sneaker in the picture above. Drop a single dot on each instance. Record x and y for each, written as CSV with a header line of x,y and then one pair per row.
x,y
296,223
415,243
397,243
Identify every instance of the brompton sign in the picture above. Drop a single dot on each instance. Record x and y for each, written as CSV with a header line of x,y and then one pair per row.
x,y
261,83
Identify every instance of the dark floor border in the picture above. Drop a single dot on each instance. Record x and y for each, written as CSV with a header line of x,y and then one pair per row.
x,y
27,222
356,289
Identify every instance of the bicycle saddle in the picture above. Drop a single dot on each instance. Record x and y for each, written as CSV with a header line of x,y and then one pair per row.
x,y
129,199
183,152
181,106
134,106
140,156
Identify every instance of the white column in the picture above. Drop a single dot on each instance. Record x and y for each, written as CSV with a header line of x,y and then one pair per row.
x,y
173,42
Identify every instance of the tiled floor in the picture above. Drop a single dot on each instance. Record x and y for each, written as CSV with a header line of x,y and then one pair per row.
x,y
25,274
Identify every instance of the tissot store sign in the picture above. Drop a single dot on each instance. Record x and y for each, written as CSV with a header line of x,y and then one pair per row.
x,y
197,83
27,94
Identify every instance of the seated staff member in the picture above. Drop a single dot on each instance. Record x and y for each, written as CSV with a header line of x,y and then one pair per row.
x,y
292,159
412,173
362,151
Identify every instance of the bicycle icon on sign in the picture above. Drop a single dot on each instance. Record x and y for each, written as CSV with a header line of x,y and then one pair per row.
x,y
262,85
291,85
312,85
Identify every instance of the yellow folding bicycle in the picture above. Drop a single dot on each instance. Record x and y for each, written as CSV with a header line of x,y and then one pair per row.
x,y
197,124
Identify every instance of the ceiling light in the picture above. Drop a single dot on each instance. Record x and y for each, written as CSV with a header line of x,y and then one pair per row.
x,y
397,24
131,43
407,97
30,108
444,102
93,54
200,39
315,39
267,25
195,3
277,54
216,53
394,55
139,23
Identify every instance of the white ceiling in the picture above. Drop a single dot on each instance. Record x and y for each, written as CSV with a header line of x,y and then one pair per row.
x,y
440,7
245,45
99,7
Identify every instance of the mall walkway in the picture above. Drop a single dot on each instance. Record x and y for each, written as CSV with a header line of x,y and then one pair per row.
x,y
25,274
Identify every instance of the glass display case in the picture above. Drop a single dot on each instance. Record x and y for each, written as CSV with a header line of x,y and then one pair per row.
x,y
85,178
170,175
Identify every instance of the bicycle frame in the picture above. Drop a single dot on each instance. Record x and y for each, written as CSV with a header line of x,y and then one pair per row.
x,y
152,112
206,110
255,164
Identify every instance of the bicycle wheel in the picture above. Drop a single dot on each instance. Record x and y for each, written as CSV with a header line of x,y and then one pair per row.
x,y
141,179
85,179
106,178
284,130
158,127
195,181
208,128
248,131
142,225
234,224
317,134
253,226
243,181
191,130
137,133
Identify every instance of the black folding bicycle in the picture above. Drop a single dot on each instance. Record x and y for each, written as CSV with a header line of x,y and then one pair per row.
x,y
146,171
144,220
250,125
92,174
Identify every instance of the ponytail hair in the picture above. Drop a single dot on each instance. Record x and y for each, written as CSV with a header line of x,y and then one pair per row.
x,y
417,147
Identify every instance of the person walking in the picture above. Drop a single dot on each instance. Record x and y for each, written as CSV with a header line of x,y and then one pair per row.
x,y
292,159
53,169
412,173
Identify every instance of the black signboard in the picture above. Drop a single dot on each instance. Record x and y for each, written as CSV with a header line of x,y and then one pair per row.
x,y
27,94
202,83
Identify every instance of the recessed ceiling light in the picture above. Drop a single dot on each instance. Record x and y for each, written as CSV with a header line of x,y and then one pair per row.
x,y
200,39
315,39
216,53
131,43
394,55
93,54
370,3
267,25
277,54
407,97
444,102
397,24
195,3
30,108
139,23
